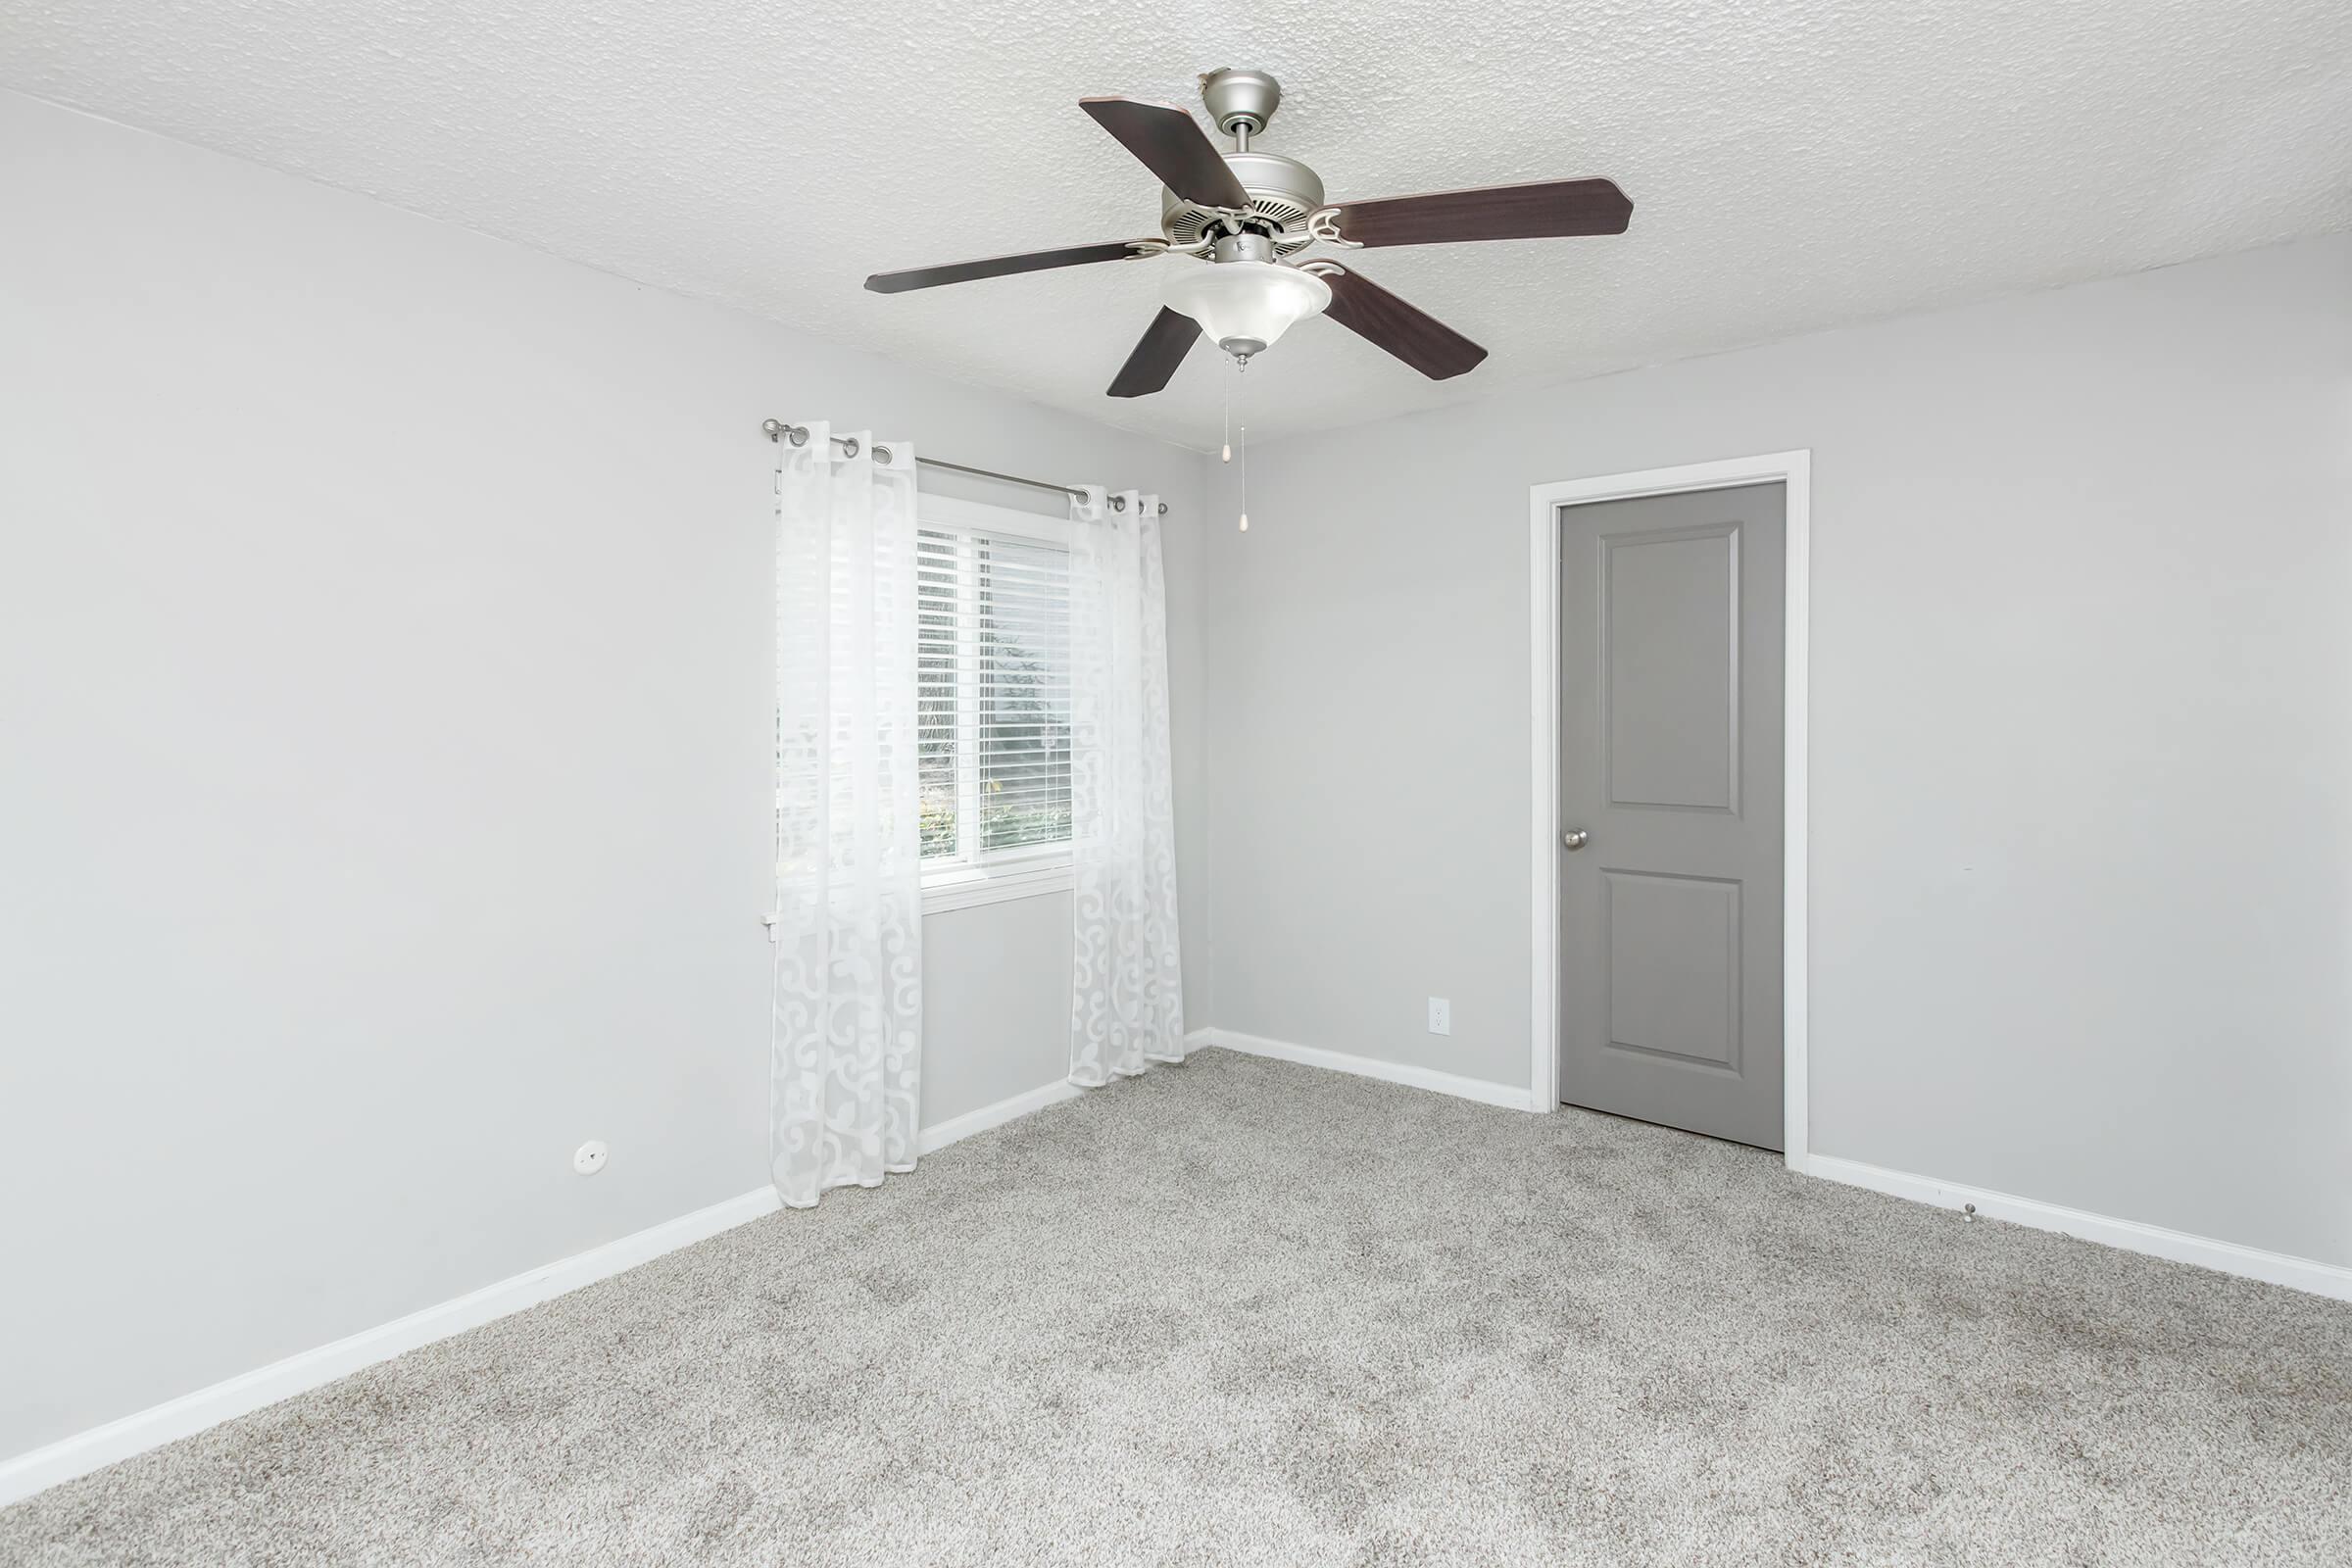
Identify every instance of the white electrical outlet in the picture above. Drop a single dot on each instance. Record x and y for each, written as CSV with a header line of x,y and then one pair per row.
x,y
1440,1016
589,1157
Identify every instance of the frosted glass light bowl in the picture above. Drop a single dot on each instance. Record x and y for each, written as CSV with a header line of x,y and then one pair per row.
x,y
1244,307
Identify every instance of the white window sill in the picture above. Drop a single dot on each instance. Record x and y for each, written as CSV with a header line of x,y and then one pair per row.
x,y
967,890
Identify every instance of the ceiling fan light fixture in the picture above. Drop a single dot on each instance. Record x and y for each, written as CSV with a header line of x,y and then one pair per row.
x,y
1249,209
1244,307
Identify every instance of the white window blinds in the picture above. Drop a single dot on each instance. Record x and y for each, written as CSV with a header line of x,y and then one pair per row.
x,y
994,689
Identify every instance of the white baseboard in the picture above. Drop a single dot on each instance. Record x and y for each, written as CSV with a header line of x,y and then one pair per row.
x,y
931,1140
1510,1097
2251,1262
190,1413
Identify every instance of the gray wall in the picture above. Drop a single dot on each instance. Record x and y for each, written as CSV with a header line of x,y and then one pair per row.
x,y
385,680
2082,758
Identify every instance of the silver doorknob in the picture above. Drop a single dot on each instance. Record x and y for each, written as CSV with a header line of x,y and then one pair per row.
x,y
1576,838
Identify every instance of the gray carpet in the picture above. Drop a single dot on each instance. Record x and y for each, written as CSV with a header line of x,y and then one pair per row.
x,y
1246,1312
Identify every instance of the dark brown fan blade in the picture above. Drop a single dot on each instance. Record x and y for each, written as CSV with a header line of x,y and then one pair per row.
x,y
1157,352
1553,208
1386,321
1172,145
1001,265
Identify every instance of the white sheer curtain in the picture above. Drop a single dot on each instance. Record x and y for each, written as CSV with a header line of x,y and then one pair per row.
x,y
846,1048
1127,976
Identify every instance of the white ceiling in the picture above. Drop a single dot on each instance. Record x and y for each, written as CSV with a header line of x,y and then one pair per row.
x,y
1794,164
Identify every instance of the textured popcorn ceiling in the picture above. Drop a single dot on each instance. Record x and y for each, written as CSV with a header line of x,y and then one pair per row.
x,y
1793,166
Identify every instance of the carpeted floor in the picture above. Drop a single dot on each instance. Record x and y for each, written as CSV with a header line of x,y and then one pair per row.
x,y
1248,1312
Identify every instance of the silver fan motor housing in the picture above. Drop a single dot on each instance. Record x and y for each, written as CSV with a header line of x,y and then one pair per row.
x,y
1282,190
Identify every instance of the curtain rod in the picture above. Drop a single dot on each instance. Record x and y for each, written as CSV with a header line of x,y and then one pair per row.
x,y
798,435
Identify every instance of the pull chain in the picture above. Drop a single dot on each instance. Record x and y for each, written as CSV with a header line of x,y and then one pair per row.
x,y
1244,474
1245,477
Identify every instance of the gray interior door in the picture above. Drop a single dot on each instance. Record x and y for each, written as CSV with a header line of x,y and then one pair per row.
x,y
1671,770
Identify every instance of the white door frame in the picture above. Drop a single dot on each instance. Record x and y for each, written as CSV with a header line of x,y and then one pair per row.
x,y
1793,469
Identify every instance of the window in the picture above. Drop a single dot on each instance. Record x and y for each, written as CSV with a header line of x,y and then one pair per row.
x,y
994,691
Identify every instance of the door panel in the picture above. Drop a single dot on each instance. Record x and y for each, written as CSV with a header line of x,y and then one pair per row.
x,y
1672,656
1673,965
1671,762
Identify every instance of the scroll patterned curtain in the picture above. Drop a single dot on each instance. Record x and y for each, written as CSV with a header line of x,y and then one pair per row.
x,y
846,1048
1127,974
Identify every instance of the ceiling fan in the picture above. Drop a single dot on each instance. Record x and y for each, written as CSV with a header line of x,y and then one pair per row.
x,y
1244,213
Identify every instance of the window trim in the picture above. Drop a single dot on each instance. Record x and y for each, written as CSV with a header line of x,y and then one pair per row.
x,y
947,512
961,885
